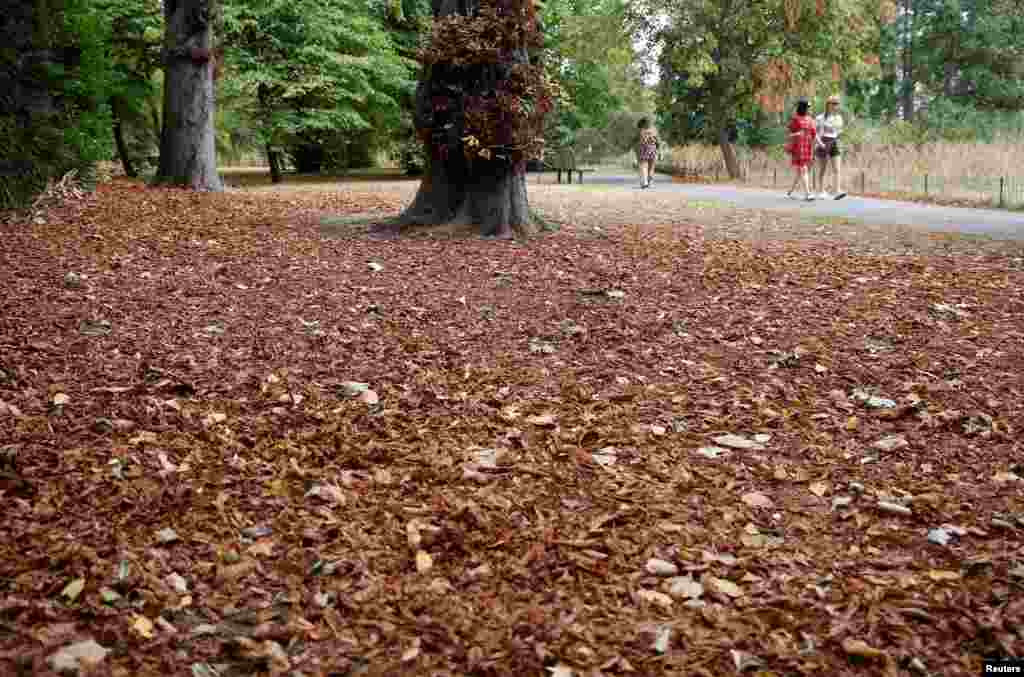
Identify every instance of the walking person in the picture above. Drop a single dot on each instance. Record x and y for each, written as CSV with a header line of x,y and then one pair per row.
x,y
646,151
802,134
827,152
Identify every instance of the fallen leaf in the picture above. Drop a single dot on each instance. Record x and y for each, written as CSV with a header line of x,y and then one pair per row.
x,y
757,500
142,626
724,586
73,589
858,647
939,575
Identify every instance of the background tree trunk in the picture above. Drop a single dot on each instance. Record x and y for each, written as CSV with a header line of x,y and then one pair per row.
x,y
274,160
188,155
489,194
122,147
907,98
725,142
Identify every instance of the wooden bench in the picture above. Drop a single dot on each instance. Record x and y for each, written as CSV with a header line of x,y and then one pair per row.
x,y
565,161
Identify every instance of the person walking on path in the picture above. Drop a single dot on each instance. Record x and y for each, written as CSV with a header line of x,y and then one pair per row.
x,y
828,155
646,151
802,134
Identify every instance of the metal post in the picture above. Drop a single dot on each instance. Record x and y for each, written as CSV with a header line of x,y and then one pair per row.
x,y
1002,180
926,184
775,177
862,183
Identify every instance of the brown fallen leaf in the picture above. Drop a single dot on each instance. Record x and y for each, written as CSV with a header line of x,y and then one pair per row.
x,y
858,647
232,573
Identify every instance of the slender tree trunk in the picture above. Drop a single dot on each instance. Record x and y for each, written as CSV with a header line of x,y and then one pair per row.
x,y
488,194
908,61
274,159
122,147
188,155
732,164
273,155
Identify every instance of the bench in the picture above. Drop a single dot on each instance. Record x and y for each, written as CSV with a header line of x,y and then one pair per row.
x,y
565,161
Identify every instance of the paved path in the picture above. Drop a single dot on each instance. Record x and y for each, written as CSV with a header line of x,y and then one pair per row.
x,y
990,222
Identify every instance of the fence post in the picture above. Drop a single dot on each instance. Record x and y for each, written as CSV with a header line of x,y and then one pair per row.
x,y
926,184
775,177
1001,181
863,189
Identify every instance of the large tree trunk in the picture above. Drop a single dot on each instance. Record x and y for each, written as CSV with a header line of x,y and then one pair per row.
x,y
487,194
188,155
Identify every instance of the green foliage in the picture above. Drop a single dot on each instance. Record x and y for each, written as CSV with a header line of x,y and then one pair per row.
x,y
760,136
314,73
76,136
718,56
621,130
594,61
135,40
971,51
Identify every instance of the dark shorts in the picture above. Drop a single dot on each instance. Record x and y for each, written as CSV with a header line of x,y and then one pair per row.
x,y
829,148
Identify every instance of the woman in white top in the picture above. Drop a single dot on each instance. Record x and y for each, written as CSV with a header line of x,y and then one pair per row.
x,y
827,152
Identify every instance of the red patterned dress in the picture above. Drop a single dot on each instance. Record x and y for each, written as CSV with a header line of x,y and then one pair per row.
x,y
801,148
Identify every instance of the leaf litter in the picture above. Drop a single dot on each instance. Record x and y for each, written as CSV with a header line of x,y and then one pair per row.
x,y
249,508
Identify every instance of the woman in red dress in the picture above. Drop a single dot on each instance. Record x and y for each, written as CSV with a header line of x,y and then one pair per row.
x,y
802,132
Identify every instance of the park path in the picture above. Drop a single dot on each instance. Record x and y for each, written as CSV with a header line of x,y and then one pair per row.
x,y
1001,224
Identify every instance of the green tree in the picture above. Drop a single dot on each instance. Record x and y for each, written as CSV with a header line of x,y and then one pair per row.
x,y
314,75
972,51
593,60
728,52
54,81
135,34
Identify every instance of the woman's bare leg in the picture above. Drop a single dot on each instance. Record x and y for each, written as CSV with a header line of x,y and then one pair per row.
x,y
818,179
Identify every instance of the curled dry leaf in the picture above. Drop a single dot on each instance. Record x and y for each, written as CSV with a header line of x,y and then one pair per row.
x,y
858,647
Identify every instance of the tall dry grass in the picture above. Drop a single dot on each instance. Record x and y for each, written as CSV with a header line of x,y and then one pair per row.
x,y
965,172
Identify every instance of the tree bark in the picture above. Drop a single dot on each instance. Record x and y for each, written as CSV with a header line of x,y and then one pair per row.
x,y
907,99
122,147
732,164
188,155
274,159
488,194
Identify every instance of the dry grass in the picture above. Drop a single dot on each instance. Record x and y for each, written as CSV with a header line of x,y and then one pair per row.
x,y
946,172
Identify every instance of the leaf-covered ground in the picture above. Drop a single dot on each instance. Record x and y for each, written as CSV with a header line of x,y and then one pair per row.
x,y
234,446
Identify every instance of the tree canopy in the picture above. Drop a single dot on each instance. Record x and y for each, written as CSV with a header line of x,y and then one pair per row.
x,y
310,73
